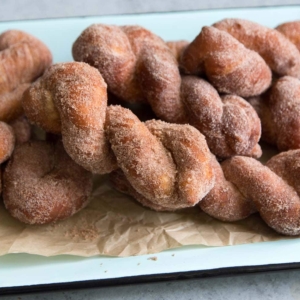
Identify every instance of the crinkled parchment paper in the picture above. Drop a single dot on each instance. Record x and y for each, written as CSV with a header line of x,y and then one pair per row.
x,y
115,224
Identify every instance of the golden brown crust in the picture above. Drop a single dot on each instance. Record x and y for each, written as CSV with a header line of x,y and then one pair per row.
x,y
230,125
41,184
279,110
274,188
291,30
228,65
136,64
22,59
279,53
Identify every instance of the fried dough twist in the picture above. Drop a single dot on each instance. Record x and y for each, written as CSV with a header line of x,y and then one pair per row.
x,y
228,65
136,64
280,54
166,163
279,111
274,189
22,59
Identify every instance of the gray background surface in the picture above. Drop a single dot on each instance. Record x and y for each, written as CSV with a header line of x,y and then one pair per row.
x,y
280,285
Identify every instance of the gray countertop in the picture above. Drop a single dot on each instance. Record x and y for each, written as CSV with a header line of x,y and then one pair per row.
x,y
279,285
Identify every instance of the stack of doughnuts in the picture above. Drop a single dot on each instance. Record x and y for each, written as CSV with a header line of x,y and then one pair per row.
x,y
237,82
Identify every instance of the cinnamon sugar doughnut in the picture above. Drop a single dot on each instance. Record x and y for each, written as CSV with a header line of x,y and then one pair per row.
x,y
229,124
291,30
173,173
22,59
228,65
225,202
109,47
71,99
279,110
72,96
274,188
41,184
136,64
279,53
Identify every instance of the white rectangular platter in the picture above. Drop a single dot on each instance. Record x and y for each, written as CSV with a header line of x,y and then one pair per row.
x,y
23,272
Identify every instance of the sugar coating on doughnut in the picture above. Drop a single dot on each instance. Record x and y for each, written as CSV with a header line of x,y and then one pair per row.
x,y
280,54
164,166
277,202
71,98
229,66
136,64
231,126
7,139
22,59
279,110
42,184
291,30
225,202
144,160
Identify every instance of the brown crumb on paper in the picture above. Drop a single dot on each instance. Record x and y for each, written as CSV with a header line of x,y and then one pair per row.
x,y
86,234
152,258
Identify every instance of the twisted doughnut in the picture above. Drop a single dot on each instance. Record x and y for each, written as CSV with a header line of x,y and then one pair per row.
x,y
22,59
291,30
228,65
41,184
131,58
280,54
274,188
164,163
228,123
224,201
279,111
124,57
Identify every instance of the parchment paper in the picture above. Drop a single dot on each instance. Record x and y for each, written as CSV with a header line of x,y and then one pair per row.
x,y
116,225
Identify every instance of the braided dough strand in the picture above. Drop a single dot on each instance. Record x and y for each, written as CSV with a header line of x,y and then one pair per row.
x,y
133,59
281,55
136,64
272,188
279,111
174,184
229,66
71,99
229,124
